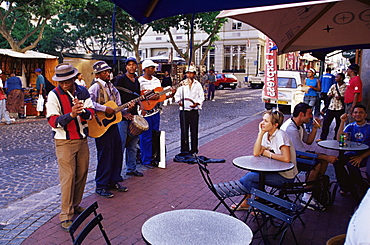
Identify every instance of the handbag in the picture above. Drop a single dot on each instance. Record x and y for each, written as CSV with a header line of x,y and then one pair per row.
x,y
40,103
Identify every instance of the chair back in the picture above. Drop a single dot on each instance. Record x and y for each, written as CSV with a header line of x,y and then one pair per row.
x,y
87,229
205,173
306,158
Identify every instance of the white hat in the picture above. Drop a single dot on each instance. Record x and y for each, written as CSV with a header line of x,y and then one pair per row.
x,y
148,63
191,69
1,72
64,71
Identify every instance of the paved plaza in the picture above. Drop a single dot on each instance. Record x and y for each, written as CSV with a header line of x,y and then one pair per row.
x,y
30,193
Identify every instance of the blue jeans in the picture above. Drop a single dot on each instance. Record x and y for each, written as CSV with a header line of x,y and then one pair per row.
x,y
311,101
3,113
131,146
146,139
251,180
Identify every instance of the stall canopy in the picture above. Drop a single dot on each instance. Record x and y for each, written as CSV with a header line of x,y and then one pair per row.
x,y
145,11
24,64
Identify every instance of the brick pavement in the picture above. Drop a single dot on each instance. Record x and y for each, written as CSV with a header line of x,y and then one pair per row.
x,y
180,186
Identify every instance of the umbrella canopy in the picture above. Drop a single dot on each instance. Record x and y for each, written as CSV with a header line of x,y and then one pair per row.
x,y
320,25
145,11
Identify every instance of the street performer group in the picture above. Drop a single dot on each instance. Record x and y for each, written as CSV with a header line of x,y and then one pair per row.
x,y
115,115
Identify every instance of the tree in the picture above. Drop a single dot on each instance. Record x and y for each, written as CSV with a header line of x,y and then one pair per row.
x,y
206,22
131,31
22,22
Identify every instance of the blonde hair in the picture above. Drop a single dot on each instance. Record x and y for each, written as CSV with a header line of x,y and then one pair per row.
x,y
276,117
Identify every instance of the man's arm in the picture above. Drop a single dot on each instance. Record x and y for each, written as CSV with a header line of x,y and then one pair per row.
x,y
343,119
312,135
355,99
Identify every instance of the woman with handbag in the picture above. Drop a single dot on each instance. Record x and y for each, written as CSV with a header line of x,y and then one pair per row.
x,y
336,107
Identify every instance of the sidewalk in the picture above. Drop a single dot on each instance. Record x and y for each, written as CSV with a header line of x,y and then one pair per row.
x,y
180,186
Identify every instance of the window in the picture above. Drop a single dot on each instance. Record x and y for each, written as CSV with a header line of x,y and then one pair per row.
x,y
237,25
284,82
235,58
158,38
178,37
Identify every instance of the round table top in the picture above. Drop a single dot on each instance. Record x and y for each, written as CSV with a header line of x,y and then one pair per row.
x,y
263,164
334,145
195,226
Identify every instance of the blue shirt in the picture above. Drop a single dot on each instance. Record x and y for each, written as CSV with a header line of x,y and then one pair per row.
x,y
359,133
326,81
13,83
40,80
311,82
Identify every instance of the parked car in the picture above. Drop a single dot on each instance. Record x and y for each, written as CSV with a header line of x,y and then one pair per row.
x,y
290,90
224,80
256,81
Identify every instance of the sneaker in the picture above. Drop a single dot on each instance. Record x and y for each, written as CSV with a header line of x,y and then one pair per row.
x,y
66,224
79,209
119,188
135,173
104,192
313,205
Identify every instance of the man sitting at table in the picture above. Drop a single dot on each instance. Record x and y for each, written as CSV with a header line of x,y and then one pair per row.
x,y
273,143
358,131
294,128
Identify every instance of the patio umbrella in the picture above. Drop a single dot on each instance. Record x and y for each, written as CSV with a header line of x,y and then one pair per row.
x,y
321,25
145,11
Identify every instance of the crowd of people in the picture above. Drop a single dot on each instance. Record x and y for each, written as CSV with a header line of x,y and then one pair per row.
x,y
113,104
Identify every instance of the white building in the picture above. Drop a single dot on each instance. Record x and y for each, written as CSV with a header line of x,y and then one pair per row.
x,y
236,51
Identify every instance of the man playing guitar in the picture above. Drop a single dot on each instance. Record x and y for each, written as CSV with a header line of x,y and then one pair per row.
x,y
190,99
109,146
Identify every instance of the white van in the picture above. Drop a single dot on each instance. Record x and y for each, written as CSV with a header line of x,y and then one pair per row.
x,y
290,84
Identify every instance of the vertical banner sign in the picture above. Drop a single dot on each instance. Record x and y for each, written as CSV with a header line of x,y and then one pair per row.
x,y
271,86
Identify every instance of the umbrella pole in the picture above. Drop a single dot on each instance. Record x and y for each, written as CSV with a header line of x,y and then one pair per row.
x,y
191,38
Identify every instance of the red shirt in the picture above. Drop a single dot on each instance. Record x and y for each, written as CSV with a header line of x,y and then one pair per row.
x,y
354,86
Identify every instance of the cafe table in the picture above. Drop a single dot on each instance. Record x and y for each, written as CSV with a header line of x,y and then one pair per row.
x,y
262,165
195,226
334,145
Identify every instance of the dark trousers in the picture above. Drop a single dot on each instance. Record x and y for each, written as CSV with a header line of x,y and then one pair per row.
x,y
211,91
189,119
328,119
109,152
326,99
352,179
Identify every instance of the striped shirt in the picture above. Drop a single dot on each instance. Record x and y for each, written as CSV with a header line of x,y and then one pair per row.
x,y
59,106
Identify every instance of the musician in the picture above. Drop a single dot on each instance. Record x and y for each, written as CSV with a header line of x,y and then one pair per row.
x,y
130,82
190,98
149,82
109,146
68,107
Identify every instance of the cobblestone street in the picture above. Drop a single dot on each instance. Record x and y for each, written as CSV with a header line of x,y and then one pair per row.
x,y
27,156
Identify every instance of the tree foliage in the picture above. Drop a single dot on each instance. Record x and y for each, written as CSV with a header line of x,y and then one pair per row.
x,y
205,22
22,22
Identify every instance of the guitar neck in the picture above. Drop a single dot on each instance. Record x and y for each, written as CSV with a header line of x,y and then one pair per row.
x,y
169,89
119,108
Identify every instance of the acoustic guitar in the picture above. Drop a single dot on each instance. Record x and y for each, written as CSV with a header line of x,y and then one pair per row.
x,y
100,123
149,104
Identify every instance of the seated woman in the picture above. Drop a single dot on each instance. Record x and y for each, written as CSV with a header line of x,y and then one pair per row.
x,y
273,143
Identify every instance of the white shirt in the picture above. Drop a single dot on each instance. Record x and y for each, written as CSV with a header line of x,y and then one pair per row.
x,y
358,230
81,83
151,84
194,93
297,136
277,140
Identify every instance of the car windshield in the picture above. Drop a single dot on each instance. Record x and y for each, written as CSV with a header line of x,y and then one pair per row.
x,y
218,76
230,76
285,82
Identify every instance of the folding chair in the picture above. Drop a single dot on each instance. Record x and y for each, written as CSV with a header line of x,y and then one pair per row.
x,y
306,161
87,229
223,191
267,207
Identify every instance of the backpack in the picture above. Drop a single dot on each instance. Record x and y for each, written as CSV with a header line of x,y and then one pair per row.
x,y
323,193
